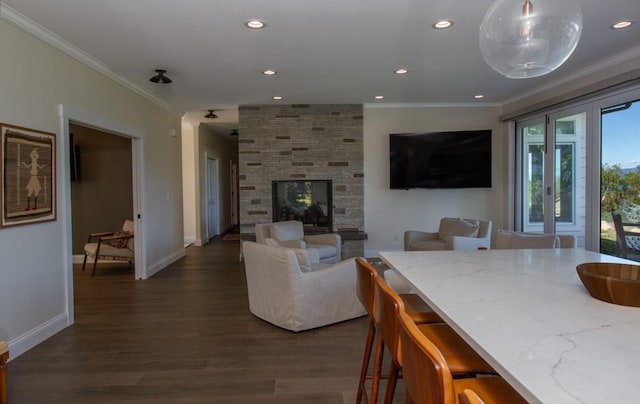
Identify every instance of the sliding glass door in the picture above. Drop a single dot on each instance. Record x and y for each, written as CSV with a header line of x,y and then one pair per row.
x,y
576,165
552,175
620,172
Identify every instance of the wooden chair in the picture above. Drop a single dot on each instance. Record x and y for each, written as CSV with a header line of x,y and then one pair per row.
x,y
627,242
415,307
112,245
462,358
4,357
428,377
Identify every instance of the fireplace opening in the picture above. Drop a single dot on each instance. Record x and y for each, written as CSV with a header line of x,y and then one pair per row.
x,y
308,201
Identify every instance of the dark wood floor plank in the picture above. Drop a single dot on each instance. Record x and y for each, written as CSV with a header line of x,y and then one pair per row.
x,y
185,336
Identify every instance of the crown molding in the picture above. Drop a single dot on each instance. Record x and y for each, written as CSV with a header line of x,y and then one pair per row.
x,y
31,27
584,72
479,104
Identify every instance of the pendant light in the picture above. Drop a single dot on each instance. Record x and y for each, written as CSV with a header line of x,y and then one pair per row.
x,y
529,38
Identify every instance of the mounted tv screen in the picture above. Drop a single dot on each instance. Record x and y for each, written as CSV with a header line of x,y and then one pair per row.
x,y
459,159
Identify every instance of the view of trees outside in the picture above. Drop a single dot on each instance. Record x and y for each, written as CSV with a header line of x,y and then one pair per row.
x,y
620,172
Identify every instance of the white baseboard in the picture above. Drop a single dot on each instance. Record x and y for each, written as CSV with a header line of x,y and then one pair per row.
x,y
166,261
188,240
31,338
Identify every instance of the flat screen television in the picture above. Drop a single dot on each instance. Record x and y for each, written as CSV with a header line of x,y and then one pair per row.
x,y
460,159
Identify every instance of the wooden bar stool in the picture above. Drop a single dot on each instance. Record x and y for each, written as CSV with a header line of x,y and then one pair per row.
x,y
455,350
415,307
469,396
429,380
4,357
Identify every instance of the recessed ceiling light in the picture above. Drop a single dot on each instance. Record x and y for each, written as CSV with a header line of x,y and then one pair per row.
x,y
379,97
478,96
269,72
621,24
277,97
255,24
402,71
442,24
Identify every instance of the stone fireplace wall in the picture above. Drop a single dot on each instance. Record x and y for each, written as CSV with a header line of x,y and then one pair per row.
x,y
292,142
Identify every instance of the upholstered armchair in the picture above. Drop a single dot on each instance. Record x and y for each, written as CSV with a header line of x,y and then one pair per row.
x,y
291,234
453,234
112,245
505,239
289,296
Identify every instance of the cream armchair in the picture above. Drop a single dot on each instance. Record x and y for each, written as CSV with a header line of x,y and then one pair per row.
x,y
288,296
453,234
112,245
291,234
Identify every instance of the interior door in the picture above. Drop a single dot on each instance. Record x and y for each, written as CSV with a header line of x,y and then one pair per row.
x,y
212,198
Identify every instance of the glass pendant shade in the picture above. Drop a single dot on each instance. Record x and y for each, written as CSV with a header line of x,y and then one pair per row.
x,y
529,38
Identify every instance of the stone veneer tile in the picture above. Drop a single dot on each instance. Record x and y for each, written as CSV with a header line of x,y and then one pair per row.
x,y
315,156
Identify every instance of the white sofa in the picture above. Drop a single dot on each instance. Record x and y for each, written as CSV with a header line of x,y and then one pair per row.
x,y
295,298
453,234
290,234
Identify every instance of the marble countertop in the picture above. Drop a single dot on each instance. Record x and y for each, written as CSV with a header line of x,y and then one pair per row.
x,y
528,314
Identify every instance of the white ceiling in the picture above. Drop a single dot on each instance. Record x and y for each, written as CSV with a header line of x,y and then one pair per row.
x,y
325,51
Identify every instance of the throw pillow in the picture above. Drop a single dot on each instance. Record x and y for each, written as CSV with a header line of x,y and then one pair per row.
x,y
119,242
288,230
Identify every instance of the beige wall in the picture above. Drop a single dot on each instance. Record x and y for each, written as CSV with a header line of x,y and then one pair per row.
x,y
102,197
388,213
35,268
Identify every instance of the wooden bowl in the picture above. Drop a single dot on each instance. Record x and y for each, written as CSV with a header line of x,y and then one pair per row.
x,y
613,283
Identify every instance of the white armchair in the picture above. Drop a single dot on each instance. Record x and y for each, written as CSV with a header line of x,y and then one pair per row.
x,y
297,299
291,234
453,234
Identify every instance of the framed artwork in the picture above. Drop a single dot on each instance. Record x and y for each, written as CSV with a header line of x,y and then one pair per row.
x,y
28,176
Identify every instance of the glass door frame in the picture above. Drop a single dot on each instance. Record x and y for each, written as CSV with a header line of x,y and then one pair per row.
x,y
592,107
593,215
550,140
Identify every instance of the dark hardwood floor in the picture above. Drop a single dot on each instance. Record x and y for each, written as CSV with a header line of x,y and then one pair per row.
x,y
185,336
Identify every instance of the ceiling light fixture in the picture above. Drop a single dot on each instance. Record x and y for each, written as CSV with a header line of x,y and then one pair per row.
x,y
277,97
532,40
442,24
269,72
255,24
478,96
211,115
402,71
160,78
379,97
622,24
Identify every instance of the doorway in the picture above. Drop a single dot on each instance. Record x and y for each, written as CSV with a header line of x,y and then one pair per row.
x,y
69,115
101,184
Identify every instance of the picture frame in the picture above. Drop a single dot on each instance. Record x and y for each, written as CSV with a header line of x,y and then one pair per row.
x,y
28,176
